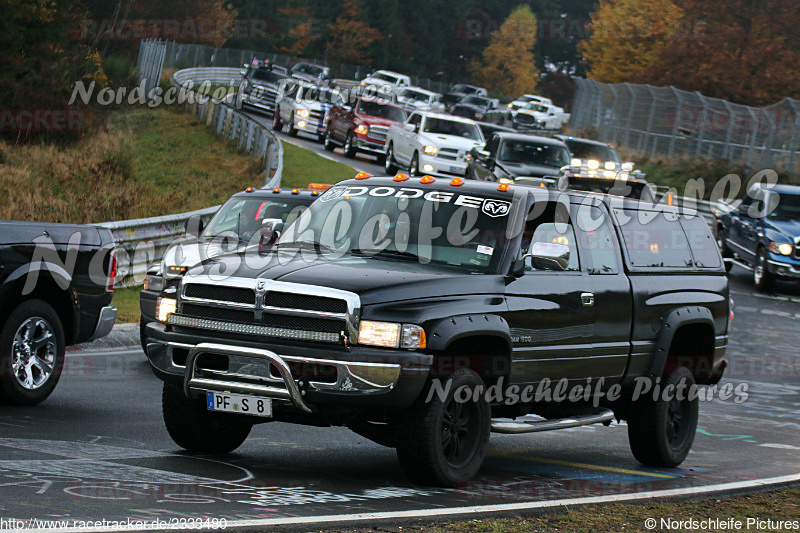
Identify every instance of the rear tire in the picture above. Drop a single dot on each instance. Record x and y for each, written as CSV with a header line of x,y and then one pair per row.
x,y
389,164
444,442
31,353
763,279
349,147
196,429
661,432
328,142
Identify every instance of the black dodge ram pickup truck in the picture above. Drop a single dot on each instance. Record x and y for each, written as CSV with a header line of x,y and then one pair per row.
x,y
56,284
415,310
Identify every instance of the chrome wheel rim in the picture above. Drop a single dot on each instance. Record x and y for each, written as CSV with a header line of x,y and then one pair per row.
x,y
33,353
758,271
348,144
387,164
414,170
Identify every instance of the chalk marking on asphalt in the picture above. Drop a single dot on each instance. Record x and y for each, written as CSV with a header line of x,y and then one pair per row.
x,y
586,466
495,508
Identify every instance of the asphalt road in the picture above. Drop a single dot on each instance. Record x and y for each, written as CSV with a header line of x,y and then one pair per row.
x,y
97,448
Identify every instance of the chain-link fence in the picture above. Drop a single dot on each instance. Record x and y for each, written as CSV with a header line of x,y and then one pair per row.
x,y
181,56
667,121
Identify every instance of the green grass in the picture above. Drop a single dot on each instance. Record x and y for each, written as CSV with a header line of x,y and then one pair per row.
x,y
301,167
127,302
776,505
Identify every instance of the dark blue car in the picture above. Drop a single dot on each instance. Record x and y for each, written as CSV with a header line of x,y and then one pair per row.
x,y
763,234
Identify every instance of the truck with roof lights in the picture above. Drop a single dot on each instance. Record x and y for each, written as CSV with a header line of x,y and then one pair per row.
x,y
423,313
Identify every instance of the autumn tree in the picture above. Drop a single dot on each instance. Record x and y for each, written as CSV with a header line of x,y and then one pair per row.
x,y
739,50
507,63
300,30
350,37
628,37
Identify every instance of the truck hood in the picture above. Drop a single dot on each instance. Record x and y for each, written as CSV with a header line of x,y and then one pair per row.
x,y
788,228
374,280
528,169
454,141
369,120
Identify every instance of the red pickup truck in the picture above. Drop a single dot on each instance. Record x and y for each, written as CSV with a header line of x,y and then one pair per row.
x,y
361,127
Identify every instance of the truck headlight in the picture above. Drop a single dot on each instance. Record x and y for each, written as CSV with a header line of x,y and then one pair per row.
x,y
429,150
391,335
362,129
164,308
575,162
780,248
302,112
610,165
593,164
153,283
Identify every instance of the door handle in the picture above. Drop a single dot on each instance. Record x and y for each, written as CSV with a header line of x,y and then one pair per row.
x,y
587,299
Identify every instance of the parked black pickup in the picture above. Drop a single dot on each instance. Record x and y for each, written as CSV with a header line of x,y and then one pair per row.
x,y
56,284
393,304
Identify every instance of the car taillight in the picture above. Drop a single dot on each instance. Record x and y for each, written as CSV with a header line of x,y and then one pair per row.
x,y
112,271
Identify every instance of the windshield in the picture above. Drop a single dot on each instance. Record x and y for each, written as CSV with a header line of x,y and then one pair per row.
x,y
638,190
263,74
314,71
444,228
243,216
600,152
388,112
414,95
316,94
452,127
384,77
535,106
788,207
534,153
477,100
464,89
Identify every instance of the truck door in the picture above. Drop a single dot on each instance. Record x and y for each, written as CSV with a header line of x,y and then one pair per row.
x,y
552,327
611,291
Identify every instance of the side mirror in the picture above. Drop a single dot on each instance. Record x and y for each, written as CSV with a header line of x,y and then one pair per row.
x,y
483,154
743,209
549,256
195,226
271,229
409,127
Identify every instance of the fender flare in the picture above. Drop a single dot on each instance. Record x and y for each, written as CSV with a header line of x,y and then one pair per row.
x,y
672,321
444,332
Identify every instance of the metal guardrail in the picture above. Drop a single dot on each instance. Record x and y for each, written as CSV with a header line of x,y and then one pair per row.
x,y
143,241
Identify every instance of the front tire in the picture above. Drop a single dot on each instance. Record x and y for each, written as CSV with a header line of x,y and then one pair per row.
x,y
413,168
443,442
388,162
196,429
661,432
328,142
31,353
277,125
763,280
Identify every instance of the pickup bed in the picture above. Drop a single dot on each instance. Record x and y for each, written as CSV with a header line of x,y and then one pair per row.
x,y
56,284
378,312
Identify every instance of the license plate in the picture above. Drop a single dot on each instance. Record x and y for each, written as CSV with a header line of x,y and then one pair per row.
x,y
238,403
457,170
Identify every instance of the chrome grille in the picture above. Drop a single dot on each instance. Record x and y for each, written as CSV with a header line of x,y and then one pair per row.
x,y
317,115
269,308
377,133
451,154
221,294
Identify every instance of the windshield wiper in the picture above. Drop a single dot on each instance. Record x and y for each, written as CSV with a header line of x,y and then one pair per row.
x,y
318,246
385,253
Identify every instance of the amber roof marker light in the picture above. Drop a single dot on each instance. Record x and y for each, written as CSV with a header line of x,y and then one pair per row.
x,y
426,179
363,175
401,178
457,182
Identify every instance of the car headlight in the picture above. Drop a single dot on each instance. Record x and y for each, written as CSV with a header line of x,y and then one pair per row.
x,y
610,165
362,129
575,163
164,308
391,335
510,106
593,164
505,180
782,248
429,150
302,112
154,283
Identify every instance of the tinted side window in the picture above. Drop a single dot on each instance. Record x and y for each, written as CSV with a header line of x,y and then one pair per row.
x,y
598,240
704,247
654,240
